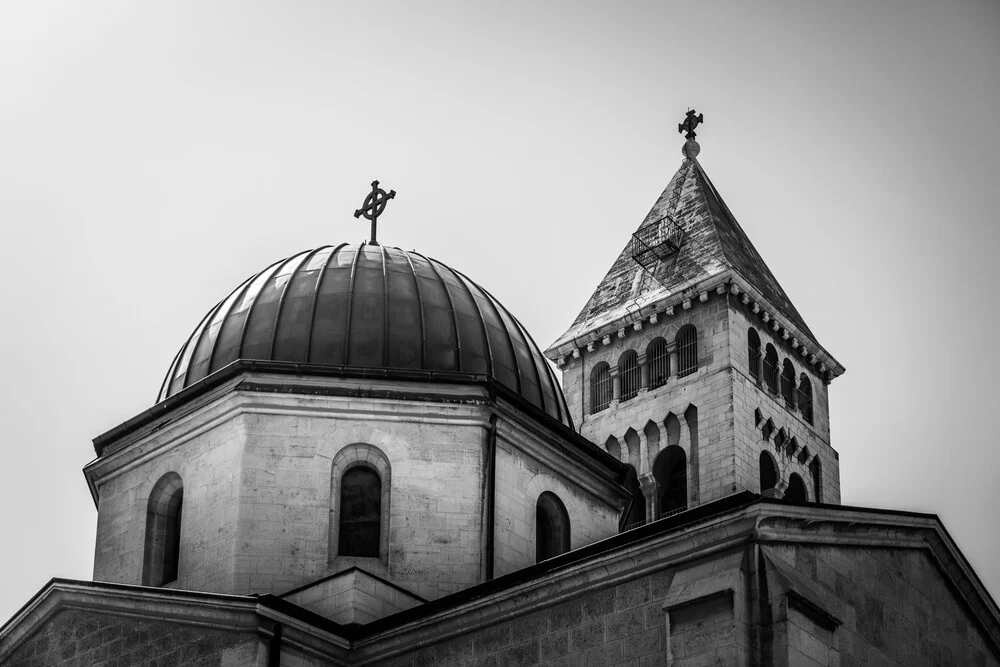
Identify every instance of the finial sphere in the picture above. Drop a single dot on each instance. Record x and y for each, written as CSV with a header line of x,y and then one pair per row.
x,y
691,149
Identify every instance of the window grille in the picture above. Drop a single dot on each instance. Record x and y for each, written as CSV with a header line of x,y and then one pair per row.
x,y
658,359
601,389
687,350
771,369
788,384
629,369
805,398
753,353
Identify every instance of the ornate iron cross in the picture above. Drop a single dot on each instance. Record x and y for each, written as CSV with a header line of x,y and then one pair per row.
x,y
374,205
690,122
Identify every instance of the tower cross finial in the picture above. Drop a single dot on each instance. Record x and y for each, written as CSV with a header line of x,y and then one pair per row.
x,y
374,205
691,121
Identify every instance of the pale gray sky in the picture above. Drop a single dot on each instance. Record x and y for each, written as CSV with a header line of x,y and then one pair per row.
x,y
154,154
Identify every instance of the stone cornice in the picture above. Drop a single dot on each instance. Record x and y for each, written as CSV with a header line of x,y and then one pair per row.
x,y
812,353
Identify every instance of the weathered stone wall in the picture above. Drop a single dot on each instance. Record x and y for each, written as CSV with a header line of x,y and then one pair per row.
x,y
89,639
750,396
520,480
208,462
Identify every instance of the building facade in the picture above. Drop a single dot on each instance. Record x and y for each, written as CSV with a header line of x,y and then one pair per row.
x,y
360,457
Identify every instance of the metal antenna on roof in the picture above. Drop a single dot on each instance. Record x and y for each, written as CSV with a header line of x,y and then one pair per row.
x,y
374,205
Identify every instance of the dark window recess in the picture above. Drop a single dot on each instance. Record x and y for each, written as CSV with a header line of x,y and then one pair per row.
x,y
796,491
788,384
600,388
768,475
805,398
771,368
658,359
551,527
815,469
670,472
753,354
629,369
161,554
360,513
687,350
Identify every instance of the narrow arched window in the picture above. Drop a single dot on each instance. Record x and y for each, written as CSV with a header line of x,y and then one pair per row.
x,y
628,366
600,387
687,350
753,354
805,398
658,359
551,527
816,470
796,491
768,474
670,473
161,554
360,512
771,368
788,383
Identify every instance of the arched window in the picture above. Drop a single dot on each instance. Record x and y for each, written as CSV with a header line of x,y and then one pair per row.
x,y
551,527
628,366
687,350
796,491
658,359
768,474
360,512
805,396
670,472
788,383
600,387
162,550
815,468
771,368
753,354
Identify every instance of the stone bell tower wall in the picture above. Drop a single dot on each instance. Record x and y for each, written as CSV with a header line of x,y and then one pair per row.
x,y
694,412
764,421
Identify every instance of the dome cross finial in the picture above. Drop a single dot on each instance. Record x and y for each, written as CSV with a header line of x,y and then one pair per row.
x,y
374,205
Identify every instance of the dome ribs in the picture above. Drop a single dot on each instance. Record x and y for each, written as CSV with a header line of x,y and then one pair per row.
x,y
240,293
317,290
395,311
484,297
304,259
451,304
463,281
420,309
345,359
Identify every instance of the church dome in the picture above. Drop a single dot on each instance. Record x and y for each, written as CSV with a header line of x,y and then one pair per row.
x,y
373,307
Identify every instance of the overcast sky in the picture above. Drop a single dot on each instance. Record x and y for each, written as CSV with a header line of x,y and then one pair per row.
x,y
155,154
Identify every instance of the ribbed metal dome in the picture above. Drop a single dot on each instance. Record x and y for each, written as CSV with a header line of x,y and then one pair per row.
x,y
368,306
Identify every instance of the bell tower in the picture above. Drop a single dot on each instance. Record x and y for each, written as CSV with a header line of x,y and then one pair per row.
x,y
690,362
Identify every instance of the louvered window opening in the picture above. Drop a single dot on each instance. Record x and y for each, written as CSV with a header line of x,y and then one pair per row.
x,y
771,374
629,369
601,389
687,351
753,354
659,364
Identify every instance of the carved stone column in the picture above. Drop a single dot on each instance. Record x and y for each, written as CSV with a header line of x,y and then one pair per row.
x,y
643,373
650,491
674,359
616,384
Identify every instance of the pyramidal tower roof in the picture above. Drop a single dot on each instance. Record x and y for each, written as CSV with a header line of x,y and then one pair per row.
x,y
688,238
